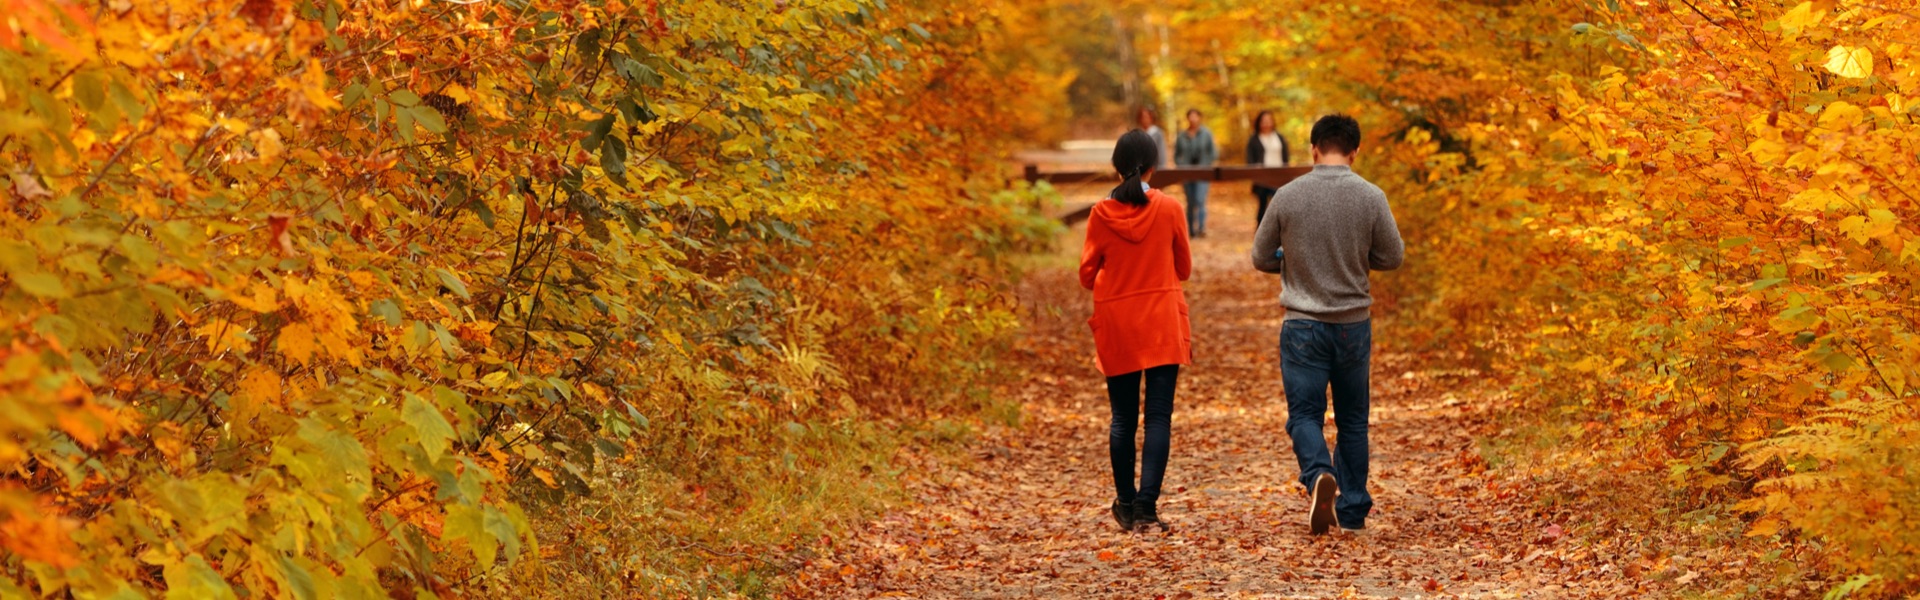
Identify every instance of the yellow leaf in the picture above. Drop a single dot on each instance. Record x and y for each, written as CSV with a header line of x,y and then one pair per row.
x,y
1848,61
1767,151
296,341
267,143
313,86
1764,527
263,299
222,336
1840,115
1813,200
1880,224
545,476
458,93
1798,19
259,387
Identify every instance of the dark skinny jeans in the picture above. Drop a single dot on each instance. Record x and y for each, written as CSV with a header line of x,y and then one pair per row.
x,y
1124,392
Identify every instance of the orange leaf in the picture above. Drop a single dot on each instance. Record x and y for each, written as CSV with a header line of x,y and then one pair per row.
x,y
296,341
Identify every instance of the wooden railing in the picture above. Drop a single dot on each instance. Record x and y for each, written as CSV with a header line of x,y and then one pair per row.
x,y
1270,176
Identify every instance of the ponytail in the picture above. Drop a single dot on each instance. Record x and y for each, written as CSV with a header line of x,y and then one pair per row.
x,y
1133,156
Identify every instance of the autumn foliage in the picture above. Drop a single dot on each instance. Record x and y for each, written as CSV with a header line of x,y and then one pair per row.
x,y
320,298
1685,230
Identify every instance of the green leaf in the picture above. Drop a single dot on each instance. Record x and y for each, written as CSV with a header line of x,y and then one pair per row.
x,y
298,579
613,156
137,249
126,101
404,98
194,579
433,428
388,311
335,454
478,205
89,90
919,31
453,283
503,530
403,124
1838,361
457,402
18,257
43,285
352,94
429,117
1853,584
596,131
468,523
1767,283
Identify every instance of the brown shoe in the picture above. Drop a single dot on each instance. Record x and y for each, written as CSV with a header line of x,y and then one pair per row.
x,y
1320,519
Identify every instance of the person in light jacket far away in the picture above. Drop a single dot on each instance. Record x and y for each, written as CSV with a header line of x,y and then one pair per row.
x,y
1134,259
1150,123
1335,226
1265,148
1195,148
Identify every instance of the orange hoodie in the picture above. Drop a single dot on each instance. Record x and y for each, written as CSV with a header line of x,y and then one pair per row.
x,y
1134,260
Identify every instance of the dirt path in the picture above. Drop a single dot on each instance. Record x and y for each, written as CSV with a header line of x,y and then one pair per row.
x,y
1024,515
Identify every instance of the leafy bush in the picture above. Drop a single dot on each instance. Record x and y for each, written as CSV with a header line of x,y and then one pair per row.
x,y
311,298
1685,230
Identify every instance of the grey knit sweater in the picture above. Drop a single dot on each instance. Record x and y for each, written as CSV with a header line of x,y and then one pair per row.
x,y
1334,226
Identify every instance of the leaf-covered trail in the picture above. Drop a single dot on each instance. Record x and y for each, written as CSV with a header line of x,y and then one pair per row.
x,y
1024,512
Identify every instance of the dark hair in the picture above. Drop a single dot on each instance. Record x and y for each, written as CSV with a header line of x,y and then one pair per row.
x,y
1336,133
1195,111
1264,114
1133,156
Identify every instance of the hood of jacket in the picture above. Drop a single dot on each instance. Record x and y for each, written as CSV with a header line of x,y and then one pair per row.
x,y
1130,222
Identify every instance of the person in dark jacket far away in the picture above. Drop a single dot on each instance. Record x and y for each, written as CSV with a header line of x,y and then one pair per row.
x,y
1265,148
1195,148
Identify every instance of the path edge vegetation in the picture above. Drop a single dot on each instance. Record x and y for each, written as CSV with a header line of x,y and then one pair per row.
x,y
1678,238
568,298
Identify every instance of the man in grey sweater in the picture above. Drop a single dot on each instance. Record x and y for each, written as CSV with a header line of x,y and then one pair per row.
x,y
1322,233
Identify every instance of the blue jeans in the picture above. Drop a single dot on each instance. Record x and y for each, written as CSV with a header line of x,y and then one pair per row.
x,y
1196,207
1313,357
1124,392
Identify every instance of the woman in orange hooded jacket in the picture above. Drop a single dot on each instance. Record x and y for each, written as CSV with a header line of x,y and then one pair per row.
x,y
1135,257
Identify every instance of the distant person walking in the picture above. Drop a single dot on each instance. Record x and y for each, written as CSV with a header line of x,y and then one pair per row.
x,y
1333,226
1135,257
1195,148
1150,123
1265,148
